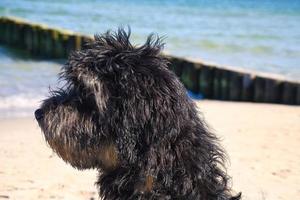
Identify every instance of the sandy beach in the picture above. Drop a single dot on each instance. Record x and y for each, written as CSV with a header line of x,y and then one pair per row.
x,y
262,141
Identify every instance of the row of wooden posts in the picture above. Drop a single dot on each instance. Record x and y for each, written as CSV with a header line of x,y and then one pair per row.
x,y
211,82
38,39
221,83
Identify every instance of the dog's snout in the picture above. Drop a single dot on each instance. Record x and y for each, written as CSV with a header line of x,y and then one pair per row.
x,y
39,114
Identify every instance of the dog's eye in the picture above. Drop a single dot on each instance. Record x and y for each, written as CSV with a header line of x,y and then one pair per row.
x,y
85,102
60,100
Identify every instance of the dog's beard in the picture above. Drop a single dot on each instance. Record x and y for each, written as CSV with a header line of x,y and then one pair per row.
x,y
68,134
75,138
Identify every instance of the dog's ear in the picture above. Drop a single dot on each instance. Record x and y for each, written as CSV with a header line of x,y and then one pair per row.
x,y
95,87
80,75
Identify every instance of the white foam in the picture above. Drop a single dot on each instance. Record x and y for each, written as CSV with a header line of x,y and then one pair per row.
x,y
19,105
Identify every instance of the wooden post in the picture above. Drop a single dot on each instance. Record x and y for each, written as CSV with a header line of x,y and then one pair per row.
x,y
45,42
2,30
7,32
28,38
272,91
14,33
73,43
57,48
221,84
42,41
259,89
206,81
35,40
189,76
289,93
217,84
225,81
235,86
248,88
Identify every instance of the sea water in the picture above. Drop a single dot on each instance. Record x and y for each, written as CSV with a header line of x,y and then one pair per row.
x,y
261,36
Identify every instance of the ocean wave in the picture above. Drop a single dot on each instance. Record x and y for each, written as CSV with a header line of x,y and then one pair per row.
x,y
19,105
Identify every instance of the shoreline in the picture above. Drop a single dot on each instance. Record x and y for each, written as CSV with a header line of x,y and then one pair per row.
x,y
261,141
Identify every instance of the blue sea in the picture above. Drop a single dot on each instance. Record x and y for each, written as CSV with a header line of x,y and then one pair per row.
x,y
261,36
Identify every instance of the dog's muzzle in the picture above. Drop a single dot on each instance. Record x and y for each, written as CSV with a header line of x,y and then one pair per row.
x,y
39,114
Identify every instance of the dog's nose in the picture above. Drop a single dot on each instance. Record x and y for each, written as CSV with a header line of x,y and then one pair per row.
x,y
38,114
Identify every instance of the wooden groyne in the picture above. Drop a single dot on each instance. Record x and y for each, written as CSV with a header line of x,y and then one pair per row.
x,y
211,81
221,83
39,39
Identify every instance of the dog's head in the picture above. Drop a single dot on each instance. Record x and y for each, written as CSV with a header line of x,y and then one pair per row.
x,y
117,101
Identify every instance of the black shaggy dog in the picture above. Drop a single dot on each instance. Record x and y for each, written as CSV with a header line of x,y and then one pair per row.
x,y
123,112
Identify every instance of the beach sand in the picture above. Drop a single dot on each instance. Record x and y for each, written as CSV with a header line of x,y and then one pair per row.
x,y
262,141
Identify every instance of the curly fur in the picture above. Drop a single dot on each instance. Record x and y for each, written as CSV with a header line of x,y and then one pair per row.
x,y
123,112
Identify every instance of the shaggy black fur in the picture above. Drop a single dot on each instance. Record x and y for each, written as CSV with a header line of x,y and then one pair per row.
x,y
126,114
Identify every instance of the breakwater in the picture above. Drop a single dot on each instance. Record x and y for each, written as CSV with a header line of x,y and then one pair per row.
x,y
39,39
212,82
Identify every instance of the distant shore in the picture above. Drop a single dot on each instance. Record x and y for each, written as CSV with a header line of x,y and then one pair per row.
x,y
262,141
